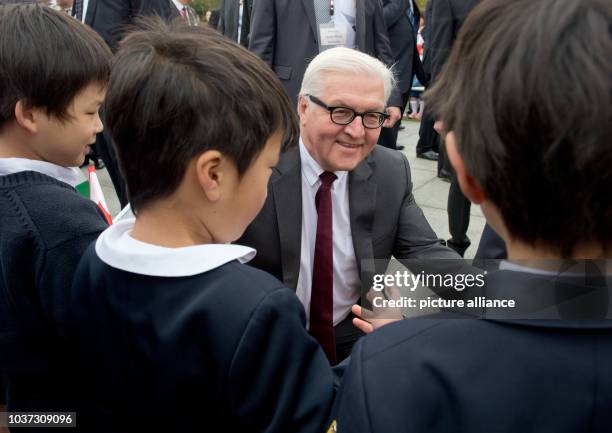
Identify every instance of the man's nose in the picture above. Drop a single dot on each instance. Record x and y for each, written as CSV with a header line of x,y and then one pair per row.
x,y
355,128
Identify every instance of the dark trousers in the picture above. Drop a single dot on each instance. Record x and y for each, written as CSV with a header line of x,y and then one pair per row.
x,y
2,390
458,208
388,136
428,137
106,151
346,337
443,162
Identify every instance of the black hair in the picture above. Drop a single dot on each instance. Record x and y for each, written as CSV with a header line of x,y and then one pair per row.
x,y
46,59
177,91
527,92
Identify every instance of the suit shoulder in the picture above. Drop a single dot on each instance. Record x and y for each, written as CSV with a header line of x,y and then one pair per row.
x,y
388,163
407,336
381,154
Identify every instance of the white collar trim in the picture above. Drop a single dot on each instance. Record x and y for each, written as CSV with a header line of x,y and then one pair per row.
x,y
70,175
117,248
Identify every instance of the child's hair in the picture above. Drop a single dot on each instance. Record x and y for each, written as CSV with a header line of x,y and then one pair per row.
x,y
528,93
46,59
177,91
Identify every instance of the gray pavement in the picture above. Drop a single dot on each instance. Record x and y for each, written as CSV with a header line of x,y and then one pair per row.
x,y
430,192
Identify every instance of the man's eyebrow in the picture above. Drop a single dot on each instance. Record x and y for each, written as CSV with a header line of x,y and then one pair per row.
x,y
339,103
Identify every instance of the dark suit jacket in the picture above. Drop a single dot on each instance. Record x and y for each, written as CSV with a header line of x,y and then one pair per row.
x,y
110,17
230,14
427,38
385,220
491,246
403,42
469,375
284,34
447,17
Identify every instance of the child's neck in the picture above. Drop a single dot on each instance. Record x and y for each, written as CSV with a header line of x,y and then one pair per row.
x,y
12,146
160,224
525,253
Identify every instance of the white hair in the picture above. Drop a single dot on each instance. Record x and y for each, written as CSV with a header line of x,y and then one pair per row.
x,y
345,61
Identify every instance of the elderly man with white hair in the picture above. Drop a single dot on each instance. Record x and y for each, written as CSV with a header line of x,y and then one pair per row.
x,y
337,199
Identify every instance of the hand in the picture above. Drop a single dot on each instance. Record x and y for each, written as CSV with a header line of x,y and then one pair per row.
x,y
395,114
439,127
367,321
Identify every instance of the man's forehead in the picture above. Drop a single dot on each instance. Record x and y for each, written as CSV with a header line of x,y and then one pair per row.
x,y
353,89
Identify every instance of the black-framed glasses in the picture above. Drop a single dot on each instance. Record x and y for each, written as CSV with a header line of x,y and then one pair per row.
x,y
345,115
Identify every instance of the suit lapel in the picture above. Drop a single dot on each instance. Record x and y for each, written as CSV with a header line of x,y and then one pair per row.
x,y
234,13
362,203
360,31
91,12
310,12
287,190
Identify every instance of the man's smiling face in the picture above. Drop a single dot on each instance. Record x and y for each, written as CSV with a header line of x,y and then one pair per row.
x,y
341,147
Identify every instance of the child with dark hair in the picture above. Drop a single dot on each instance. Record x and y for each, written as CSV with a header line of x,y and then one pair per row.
x,y
175,332
526,97
53,73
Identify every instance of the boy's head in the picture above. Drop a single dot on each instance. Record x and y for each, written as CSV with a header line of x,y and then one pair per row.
x,y
527,97
53,71
188,108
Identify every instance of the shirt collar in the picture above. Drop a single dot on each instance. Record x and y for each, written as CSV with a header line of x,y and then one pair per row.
x,y
311,168
178,4
118,249
506,265
70,175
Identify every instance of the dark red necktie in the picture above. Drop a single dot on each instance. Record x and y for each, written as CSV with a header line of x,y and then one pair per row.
x,y
322,297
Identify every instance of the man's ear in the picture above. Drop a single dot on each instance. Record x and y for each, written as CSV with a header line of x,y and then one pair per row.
x,y
470,187
209,172
302,107
27,117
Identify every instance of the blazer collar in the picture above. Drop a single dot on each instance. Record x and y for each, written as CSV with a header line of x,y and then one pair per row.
x,y
310,12
558,301
360,36
91,12
287,192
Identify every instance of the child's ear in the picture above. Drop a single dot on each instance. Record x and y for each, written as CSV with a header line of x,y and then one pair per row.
x,y
26,117
470,187
208,170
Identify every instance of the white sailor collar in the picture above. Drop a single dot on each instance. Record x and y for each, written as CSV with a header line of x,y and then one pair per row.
x,y
118,249
70,175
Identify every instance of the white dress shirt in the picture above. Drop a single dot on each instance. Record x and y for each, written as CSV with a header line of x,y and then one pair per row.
x,y
85,6
346,275
240,11
345,13
178,5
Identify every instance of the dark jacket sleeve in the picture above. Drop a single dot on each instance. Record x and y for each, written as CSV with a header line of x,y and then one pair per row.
x,y
442,35
415,238
280,379
221,25
382,46
163,8
263,30
393,10
350,412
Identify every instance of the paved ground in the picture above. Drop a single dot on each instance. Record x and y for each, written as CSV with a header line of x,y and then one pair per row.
x,y
429,191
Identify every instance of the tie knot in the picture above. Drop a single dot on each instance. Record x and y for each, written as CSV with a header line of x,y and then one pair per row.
x,y
327,178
